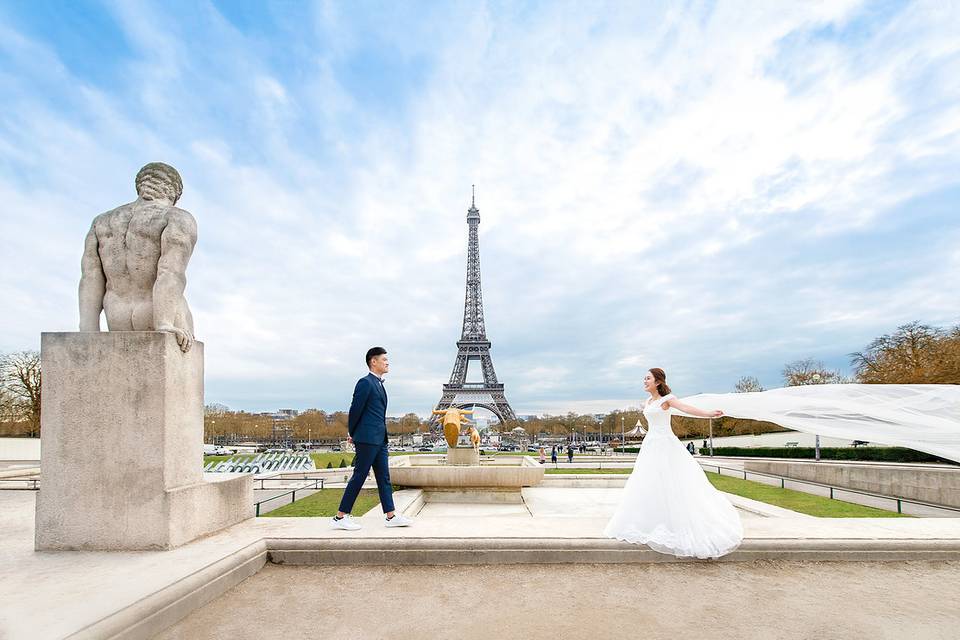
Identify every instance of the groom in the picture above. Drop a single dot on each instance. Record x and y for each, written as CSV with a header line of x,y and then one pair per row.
x,y
367,425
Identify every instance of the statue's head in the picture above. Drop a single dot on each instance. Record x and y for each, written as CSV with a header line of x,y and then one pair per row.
x,y
159,181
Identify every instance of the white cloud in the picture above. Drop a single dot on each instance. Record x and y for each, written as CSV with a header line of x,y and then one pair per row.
x,y
679,188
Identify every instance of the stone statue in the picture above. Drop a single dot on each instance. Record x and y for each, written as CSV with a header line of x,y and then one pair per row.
x,y
452,420
135,260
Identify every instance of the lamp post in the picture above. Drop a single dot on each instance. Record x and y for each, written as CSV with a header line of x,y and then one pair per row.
x,y
711,437
623,434
601,444
816,445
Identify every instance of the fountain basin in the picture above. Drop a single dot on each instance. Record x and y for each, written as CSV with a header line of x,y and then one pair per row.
x,y
430,472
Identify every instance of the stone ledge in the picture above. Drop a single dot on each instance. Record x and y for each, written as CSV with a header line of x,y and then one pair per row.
x,y
446,551
154,613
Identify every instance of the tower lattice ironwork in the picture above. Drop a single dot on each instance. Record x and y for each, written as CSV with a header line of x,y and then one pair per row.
x,y
473,345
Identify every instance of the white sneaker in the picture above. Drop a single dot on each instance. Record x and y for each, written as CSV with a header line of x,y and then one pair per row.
x,y
346,523
398,521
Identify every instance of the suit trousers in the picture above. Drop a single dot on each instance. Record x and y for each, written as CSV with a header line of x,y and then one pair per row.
x,y
369,456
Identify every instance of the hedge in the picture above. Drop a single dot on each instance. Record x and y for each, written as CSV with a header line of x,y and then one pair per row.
x,y
877,454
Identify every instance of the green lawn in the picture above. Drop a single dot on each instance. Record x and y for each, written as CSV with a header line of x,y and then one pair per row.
x,y
324,503
321,459
797,500
787,498
562,470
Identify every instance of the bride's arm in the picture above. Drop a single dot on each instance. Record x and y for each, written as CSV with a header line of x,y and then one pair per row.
x,y
694,411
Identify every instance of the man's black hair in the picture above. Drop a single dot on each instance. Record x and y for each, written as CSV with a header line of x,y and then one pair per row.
x,y
373,353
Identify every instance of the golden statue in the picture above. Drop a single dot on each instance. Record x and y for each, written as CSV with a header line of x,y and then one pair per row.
x,y
475,438
453,419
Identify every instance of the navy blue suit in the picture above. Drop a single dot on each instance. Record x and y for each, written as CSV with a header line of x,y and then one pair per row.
x,y
367,425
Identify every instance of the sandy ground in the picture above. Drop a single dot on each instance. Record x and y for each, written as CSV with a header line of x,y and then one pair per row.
x,y
714,601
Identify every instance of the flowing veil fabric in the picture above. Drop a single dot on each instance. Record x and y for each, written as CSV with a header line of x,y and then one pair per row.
x,y
924,417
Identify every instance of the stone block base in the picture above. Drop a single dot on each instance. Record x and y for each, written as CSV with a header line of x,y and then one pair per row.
x,y
463,455
122,441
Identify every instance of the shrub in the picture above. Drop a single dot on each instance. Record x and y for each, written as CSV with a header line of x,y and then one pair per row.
x,y
875,454
343,463
330,464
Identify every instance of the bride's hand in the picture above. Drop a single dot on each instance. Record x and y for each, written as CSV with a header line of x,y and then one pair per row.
x,y
716,414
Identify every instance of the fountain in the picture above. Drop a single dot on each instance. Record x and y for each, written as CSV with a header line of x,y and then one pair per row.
x,y
462,475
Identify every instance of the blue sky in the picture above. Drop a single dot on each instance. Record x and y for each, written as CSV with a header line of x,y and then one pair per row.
x,y
713,188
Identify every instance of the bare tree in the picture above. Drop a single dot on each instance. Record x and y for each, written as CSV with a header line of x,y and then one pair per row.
x,y
215,409
913,354
20,376
810,371
747,384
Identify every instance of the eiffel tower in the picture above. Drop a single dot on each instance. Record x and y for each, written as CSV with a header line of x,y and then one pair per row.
x,y
473,344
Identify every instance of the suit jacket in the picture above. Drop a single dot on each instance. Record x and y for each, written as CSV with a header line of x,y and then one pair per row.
x,y
367,423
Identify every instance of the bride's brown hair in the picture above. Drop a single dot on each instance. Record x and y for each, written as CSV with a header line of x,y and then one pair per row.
x,y
660,376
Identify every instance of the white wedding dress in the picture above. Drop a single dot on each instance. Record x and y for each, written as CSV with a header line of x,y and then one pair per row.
x,y
668,504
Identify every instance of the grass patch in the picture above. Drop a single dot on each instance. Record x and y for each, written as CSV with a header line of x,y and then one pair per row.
x,y
562,470
324,503
321,459
787,498
797,500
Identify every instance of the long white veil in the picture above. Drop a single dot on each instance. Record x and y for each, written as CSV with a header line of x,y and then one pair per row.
x,y
925,417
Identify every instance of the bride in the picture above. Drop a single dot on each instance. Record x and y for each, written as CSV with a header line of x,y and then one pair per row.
x,y
668,504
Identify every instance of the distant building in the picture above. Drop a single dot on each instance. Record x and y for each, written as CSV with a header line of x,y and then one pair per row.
x,y
281,414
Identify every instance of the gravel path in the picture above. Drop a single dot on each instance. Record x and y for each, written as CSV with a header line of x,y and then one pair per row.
x,y
713,601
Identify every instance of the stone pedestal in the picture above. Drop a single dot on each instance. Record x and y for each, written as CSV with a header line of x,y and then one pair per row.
x,y
463,455
122,441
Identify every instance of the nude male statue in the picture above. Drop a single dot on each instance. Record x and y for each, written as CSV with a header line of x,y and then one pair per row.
x,y
135,260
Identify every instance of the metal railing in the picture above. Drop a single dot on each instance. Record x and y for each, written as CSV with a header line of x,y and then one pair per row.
x,y
900,500
287,479
292,493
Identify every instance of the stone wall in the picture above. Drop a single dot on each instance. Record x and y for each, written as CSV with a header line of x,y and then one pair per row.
x,y
925,483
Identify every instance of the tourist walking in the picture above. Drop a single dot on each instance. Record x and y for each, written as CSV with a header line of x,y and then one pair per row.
x,y
543,455
570,454
367,426
553,454
668,504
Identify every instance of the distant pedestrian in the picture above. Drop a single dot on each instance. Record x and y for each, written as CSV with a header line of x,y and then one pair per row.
x,y
553,454
543,455
704,443
570,455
